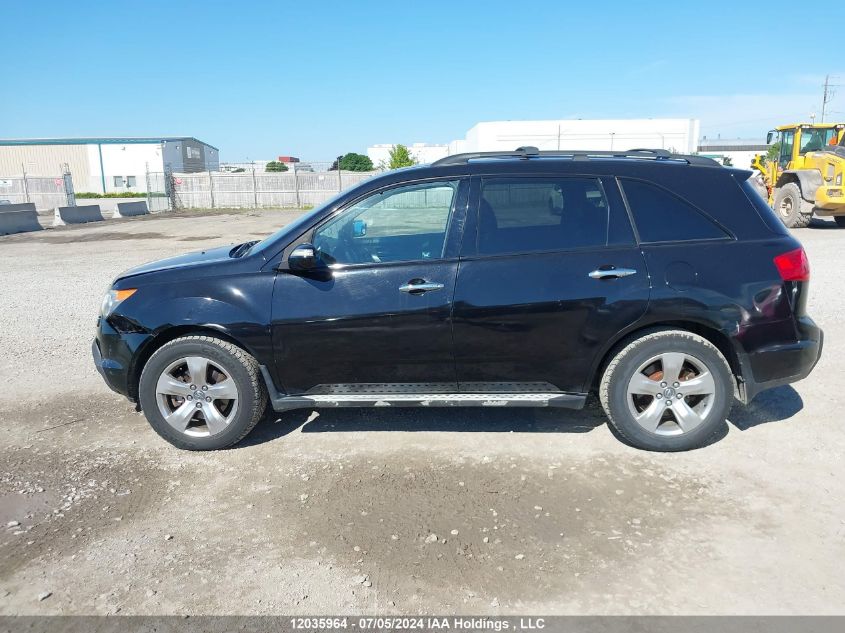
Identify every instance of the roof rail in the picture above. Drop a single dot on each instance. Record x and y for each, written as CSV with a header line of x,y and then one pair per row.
x,y
525,153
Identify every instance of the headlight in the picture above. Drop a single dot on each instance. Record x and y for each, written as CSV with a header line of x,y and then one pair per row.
x,y
114,298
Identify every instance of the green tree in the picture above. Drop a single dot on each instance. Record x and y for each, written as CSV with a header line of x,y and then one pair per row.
x,y
275,165
400,157
773,152
356,162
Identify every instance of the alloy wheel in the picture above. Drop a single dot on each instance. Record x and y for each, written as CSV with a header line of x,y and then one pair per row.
x,y
197,396
671,393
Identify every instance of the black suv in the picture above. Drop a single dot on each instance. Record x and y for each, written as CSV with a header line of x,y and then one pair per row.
x,y
661,282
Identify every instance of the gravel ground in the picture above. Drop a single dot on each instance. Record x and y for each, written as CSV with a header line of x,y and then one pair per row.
x,y
378,511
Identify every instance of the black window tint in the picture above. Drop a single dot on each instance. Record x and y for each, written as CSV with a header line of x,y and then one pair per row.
x,y
523,215
661,216
755,196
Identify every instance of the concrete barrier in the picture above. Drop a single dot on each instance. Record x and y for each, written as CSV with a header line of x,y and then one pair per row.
x,y
107,205
18,218
77,215
129,209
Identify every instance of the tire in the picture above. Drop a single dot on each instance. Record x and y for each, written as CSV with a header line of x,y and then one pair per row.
x,y
202,418
692,420
840,221
791,208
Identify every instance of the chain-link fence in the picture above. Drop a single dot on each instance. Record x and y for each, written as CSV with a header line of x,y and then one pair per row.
x,y
254,190
46,192
158,191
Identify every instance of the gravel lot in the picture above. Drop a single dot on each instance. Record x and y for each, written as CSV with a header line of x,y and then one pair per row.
x,y
381,511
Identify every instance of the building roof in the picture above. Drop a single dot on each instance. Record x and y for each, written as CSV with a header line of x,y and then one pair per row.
x,y
101,141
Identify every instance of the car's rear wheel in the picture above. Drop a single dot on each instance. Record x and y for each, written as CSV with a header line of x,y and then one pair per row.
x,y
668,390
792,209
202,393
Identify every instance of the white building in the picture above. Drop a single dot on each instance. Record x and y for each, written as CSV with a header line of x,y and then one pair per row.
x,y
422,152
104,165
740,151
677,135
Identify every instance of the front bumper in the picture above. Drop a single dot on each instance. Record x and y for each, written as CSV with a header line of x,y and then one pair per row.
x,y
114,353
783,363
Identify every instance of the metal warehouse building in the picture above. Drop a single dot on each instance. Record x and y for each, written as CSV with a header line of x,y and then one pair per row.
x,y
106,165
740,151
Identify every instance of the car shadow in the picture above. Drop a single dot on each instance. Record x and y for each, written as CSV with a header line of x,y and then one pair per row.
x,y
421,419
773,405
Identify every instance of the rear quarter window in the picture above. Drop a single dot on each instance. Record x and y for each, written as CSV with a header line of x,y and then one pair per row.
x,y
762,207
662,216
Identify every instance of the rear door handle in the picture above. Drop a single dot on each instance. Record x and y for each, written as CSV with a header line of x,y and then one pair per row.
x,y
420,286
611,272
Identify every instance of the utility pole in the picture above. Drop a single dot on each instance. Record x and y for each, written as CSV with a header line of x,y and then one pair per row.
x,y
825,98
828,95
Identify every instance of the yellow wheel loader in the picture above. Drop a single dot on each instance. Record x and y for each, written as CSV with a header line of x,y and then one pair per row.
x,y
806,176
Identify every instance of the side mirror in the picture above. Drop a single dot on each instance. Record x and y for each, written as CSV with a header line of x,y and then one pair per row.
x,y
769,137
304,258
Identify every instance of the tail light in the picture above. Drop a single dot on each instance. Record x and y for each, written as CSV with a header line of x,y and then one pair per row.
x,y
793,265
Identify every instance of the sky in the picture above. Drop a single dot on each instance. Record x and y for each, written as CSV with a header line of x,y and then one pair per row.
x,y
318,79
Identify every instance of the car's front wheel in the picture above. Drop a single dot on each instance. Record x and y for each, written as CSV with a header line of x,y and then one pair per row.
x,y
202,393
668,390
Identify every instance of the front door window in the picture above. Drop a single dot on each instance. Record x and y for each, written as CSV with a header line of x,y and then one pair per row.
x,y
403,224
787,139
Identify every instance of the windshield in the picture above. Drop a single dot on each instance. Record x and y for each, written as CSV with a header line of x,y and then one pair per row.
x,y
817,139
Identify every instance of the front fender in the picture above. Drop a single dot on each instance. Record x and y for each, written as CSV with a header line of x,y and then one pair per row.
x,y
236,308
809,180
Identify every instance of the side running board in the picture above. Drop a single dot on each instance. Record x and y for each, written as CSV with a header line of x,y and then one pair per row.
x,y
281,402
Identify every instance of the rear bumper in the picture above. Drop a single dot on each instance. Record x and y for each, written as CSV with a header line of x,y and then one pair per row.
x,y
783,363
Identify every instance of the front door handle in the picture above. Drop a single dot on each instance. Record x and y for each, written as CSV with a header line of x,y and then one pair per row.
x,y
419,286
611,272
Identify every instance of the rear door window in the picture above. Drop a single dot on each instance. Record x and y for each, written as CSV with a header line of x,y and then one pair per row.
x,y
525,215
661,216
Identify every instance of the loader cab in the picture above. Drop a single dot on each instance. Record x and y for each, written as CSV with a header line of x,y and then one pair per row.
x,y
798,140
